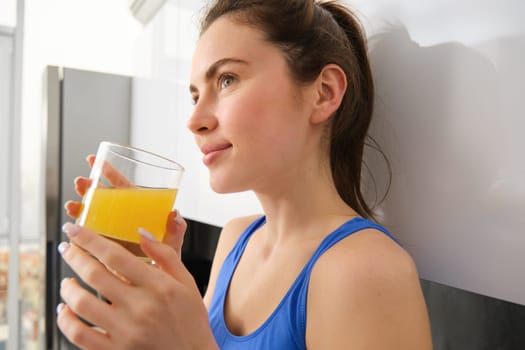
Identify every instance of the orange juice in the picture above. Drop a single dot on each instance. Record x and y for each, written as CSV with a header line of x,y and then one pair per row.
x,y
118,212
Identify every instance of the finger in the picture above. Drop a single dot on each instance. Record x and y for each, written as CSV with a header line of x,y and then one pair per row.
x,y
115,177
175,229
73,209
165,257
91,160
114,256
92,271
85,304
79,333
81,185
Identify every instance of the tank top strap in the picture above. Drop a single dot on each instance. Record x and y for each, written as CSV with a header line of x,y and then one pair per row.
x,y
343,231
297,295
228,267
242,241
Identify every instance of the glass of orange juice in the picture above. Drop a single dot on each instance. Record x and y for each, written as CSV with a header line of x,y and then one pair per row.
x,y
130,189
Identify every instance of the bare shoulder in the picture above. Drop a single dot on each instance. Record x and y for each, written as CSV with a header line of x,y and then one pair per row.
x,y
230,233
365,263
237,226
366,288
369,253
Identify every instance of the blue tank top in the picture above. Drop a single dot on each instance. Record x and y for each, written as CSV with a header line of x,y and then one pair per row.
x,y
285,328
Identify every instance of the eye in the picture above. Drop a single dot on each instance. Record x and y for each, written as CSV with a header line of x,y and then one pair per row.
x,y
226,80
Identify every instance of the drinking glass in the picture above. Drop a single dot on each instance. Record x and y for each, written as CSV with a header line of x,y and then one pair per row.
x,y
130,188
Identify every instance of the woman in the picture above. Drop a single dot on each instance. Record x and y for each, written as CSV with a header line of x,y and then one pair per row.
x,y
283,99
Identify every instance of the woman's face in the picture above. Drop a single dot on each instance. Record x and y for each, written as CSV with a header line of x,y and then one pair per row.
x,y
251,121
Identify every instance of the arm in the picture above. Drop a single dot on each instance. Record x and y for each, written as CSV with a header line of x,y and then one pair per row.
x,y
229,235
365,294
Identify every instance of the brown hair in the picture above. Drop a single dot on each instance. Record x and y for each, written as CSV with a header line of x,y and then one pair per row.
x,y
311,35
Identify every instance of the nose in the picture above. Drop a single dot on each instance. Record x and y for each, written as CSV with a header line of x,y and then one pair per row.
x,y
203,119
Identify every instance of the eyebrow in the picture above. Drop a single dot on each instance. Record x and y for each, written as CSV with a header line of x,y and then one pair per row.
x,y
212,70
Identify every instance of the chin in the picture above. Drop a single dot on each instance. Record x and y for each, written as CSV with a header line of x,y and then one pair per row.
x,y
225,187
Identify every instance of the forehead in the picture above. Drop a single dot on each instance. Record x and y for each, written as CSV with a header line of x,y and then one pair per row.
x,y
226,38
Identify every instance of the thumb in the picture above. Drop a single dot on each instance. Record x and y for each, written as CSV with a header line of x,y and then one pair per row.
x,y
165,257
175,229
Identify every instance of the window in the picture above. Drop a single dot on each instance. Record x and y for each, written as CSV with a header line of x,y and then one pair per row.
x,y
8,13
6,48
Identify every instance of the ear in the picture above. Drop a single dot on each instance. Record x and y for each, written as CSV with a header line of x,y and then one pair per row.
x,y
330,88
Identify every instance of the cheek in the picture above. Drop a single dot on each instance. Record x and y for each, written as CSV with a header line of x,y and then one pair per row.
x,y
262,113
246,113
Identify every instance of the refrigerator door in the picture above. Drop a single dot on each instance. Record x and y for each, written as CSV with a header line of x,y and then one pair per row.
x,y
83,108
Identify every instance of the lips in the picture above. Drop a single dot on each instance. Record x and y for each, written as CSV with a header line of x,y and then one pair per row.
x,y
211,152
207,149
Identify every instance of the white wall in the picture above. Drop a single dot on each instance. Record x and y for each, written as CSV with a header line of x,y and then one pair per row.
x,y
449,113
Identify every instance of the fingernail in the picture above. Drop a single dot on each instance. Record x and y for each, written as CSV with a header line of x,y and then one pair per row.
x,y
178,218
64,280
62,247
70,229
146,234
60,307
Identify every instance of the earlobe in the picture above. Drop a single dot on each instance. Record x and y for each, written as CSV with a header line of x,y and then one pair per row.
x,y
331,87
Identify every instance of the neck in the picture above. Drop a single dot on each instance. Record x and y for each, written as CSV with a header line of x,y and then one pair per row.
x,y
304,208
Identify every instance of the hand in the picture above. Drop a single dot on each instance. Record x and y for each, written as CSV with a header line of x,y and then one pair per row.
x,y
152,307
